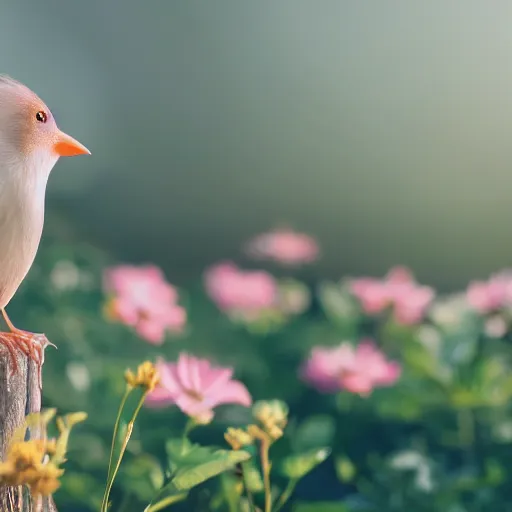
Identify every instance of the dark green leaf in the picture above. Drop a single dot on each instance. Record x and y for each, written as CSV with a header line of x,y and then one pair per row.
x,y
297,466
314,432
142,476
192,464
321,506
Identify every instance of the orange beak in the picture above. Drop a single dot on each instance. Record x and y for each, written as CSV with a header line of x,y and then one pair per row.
x,y
67,146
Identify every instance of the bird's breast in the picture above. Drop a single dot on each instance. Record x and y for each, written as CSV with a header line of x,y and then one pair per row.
x,y
21,224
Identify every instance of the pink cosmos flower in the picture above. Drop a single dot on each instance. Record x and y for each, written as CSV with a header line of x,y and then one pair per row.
x,y
196,387
144,300
356,369
235,290
491,295
284,246
398,290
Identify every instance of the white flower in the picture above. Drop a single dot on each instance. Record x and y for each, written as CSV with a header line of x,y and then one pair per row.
x,y
409,460
78,375
495,326
449,312
65,275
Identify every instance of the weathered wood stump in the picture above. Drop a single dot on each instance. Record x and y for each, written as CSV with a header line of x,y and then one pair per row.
x,y
20,394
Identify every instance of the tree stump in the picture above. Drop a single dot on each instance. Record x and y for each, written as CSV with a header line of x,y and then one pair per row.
x,y
20,395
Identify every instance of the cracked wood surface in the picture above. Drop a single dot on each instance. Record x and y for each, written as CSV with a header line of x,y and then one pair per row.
x,y
20,395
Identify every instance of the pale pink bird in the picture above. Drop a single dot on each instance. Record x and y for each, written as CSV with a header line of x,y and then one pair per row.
x,y
30,145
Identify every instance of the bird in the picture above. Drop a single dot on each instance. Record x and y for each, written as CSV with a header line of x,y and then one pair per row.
x,y
31,143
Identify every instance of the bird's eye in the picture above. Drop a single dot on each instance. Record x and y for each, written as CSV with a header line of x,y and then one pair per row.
x,y
41,116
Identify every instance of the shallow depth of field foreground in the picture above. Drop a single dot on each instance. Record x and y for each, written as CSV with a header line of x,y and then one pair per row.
x,y
282,279
261,392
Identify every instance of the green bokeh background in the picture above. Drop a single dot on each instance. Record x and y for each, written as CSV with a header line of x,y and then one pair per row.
x,y
383,127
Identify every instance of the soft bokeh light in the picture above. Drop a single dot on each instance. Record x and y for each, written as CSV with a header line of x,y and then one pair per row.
x,y
301,204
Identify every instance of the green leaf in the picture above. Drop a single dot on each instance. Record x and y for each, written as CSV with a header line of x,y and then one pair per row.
x,y
321,506
128,410
142,476
191,465
297,466
345,469
205,463
252,476
336,303
314,432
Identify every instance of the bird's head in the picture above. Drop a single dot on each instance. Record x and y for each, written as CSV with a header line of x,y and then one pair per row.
x,y
29,135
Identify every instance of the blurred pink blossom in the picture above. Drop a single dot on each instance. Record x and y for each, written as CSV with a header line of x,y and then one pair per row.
x,y
242,291
490,295
284,246
398,290
196,387
143,299
355,369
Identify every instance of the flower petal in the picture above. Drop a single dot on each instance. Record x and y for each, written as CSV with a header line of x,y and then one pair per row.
x,y
232,392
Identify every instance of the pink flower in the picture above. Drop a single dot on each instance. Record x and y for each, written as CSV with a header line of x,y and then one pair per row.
x,y
398,290
236,290
284,246
491,295
144,300
197,387
357,370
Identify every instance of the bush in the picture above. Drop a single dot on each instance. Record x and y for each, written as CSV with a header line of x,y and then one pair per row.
x,y
378,395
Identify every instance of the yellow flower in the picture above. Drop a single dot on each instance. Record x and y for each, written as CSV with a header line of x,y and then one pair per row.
x,y
26,454
109,309
257,433
146,376
273,416
274,432
23,466
45,479
51,446
237,438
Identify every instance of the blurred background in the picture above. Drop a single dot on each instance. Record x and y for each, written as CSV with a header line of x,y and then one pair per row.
x,y
381,127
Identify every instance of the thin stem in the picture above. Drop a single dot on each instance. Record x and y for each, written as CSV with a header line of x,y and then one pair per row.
x,y
127,436
189,426
466,427
265,466
247,491
114,437
125,502
165,503
232,506
286,494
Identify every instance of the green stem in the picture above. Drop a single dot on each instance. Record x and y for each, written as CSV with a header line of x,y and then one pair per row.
x,y
127,392
247,491
190,425
125,502
165,503
286,494
265,466
127,436
466,426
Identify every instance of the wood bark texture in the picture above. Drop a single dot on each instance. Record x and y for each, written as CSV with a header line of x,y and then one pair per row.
x,y
20,394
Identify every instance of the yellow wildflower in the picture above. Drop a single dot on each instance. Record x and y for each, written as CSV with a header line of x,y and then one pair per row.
x,y
22,458
274,432
237,438
257,433
45,480
109,309
146,376
273,417
24,466
51,446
